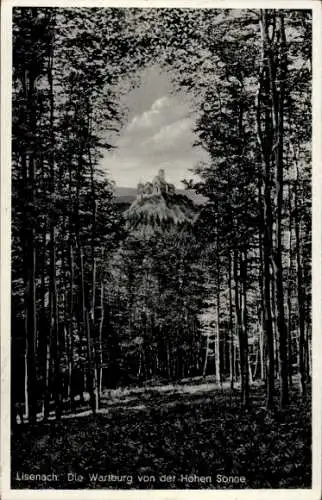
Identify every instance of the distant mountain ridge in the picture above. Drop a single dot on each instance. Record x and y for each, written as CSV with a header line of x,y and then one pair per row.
x,y
128,195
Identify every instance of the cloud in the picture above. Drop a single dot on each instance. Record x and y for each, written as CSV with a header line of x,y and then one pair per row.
x,y
168,135
151,118
158,137
161,103
163,111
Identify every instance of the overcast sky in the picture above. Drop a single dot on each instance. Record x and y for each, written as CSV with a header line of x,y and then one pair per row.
x,y
158,134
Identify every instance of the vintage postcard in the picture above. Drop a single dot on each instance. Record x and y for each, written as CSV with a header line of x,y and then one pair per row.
x,y
161,249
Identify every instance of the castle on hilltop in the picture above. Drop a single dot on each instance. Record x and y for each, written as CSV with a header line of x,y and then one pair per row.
x,y
157,187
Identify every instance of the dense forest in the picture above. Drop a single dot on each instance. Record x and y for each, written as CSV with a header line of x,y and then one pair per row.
x,y
162,289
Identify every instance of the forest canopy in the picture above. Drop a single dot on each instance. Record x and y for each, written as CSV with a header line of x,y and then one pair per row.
x,y
106,294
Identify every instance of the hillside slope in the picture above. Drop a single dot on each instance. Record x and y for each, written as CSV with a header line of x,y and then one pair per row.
x,y
158,204
128,195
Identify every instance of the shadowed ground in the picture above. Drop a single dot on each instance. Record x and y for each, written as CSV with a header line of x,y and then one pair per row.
x,y
175,430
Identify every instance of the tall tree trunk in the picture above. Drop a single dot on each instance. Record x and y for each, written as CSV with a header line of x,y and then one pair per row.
x,y
239,324
307,313
289,288
55,327
92,329
100,352
217,333
306,265
300,292
265,139
42,322
275,329
31,316
53,260
243,330
205,364
168,358
87,331
231,325
30,263
261,280
48,375
268,326
71,322
278,113
261,352
257,355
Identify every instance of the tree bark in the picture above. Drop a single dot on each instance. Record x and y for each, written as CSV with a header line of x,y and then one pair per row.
x,y
289,288
31,318
54,327
30,264
278,111
217,332
231,325
91,328
71,321
100,353
240,308
300,293
265,140
243,330
205,364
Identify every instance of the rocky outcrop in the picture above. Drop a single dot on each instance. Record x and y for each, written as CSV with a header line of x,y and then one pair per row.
x,y
159,206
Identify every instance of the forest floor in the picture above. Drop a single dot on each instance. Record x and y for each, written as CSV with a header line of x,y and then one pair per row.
x,y
181,436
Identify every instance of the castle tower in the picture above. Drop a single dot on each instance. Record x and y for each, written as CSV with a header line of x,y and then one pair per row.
x,y
140,188
162,175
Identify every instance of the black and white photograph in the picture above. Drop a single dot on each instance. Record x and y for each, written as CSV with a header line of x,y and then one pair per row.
x,y
161,247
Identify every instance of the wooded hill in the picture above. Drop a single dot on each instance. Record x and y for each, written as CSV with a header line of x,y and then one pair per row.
x,y
128,195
